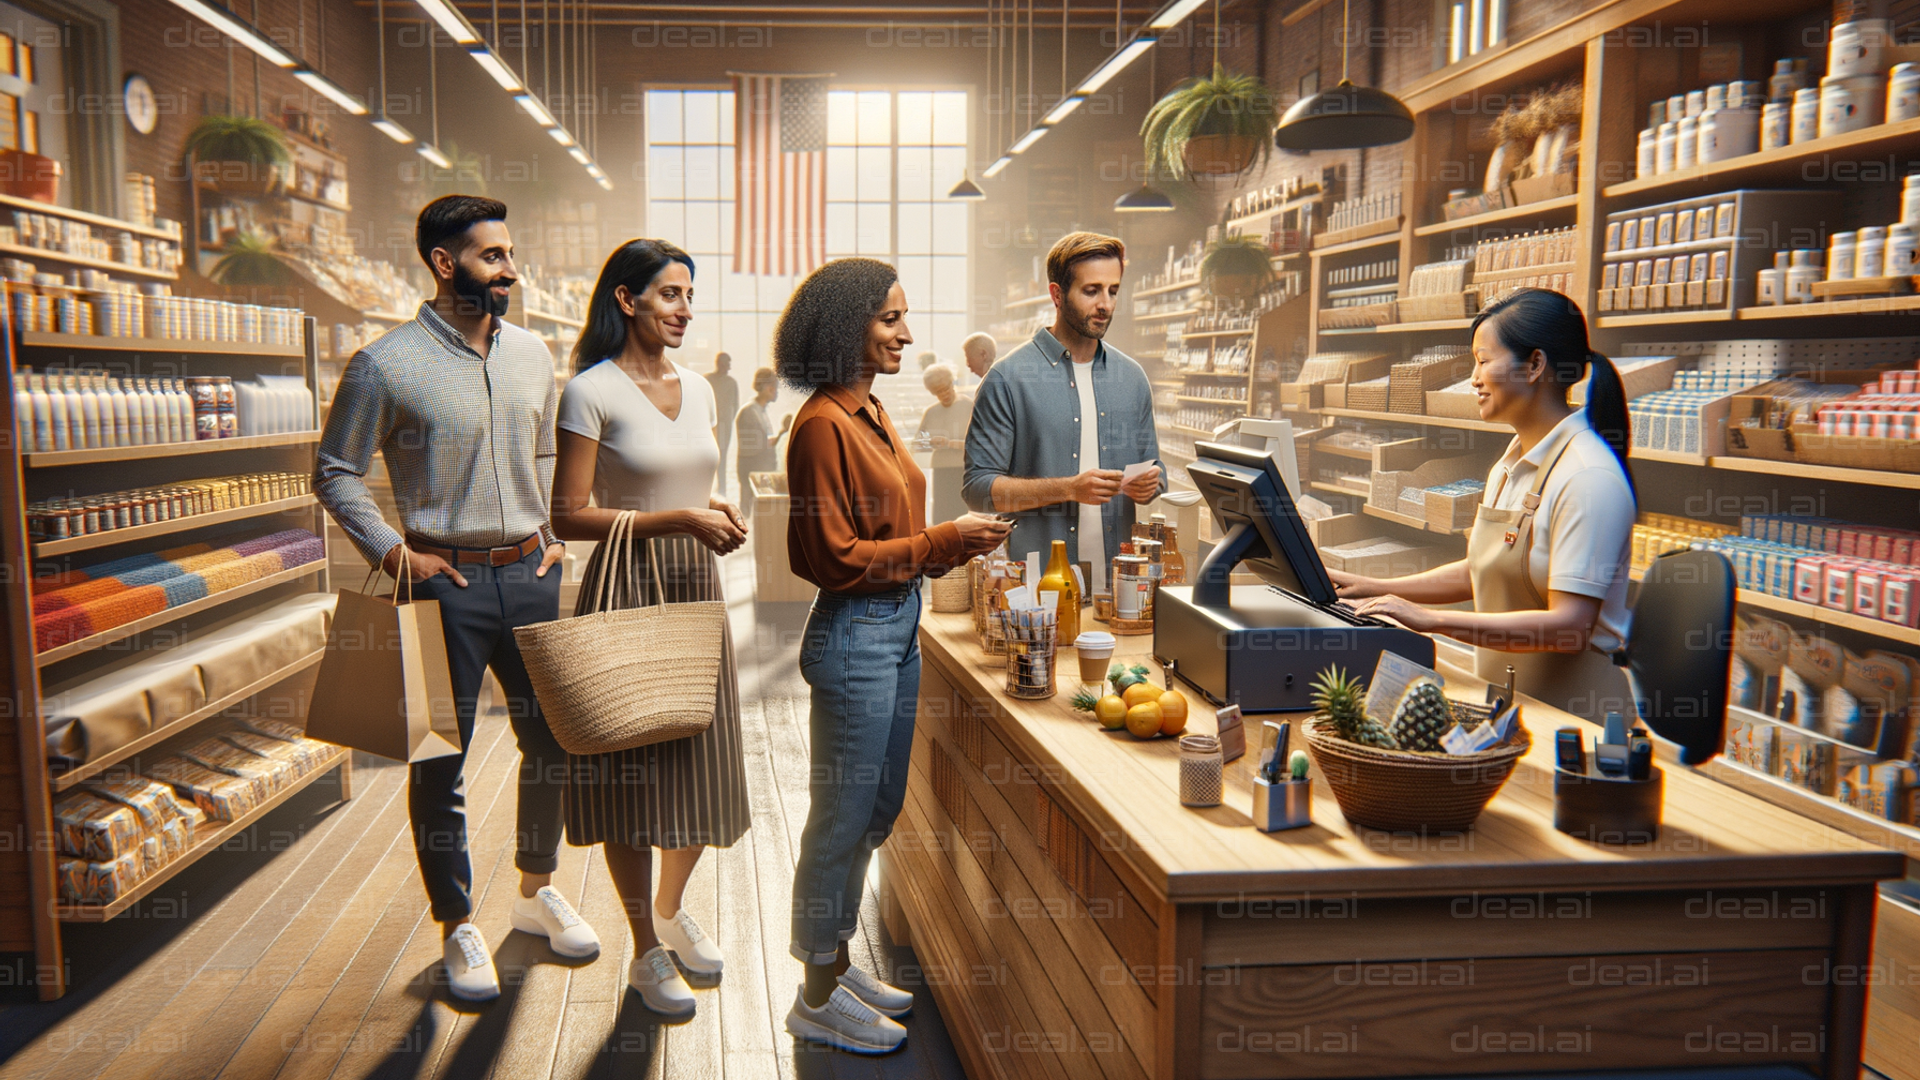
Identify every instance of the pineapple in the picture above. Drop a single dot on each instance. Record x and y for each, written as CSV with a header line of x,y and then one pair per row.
x,y
1422,716
1343,699
1085,698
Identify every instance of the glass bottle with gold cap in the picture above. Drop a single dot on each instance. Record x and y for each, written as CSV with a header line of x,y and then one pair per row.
x,y
1059,578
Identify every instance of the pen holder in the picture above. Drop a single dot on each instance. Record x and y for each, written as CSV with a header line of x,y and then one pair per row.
x,y
1607,809
1285,805
1030,644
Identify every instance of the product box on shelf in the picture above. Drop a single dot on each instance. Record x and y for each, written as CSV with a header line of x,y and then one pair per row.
x,y
1750,435
1538,188
1467,206
1355,544
1704,252
1412,464
1451,507
1364,369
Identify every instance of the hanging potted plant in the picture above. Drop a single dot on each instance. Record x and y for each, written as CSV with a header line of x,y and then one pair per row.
x,y
252,259
1236,267
239,155
1213,126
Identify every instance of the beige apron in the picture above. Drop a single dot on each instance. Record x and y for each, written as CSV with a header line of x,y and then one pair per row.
x,y
1586,683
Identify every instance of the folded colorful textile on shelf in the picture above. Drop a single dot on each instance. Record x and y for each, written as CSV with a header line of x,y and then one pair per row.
x,y
121,591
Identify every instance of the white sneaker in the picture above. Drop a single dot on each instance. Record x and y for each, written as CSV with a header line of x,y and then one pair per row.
x,y
547,914
844,1023
659,984
690,943
470,974
885,1000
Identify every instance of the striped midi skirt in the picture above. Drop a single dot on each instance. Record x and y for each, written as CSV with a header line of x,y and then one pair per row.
x,y
675,794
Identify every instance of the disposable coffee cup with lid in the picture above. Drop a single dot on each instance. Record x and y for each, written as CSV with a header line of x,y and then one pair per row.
x,y
1095,648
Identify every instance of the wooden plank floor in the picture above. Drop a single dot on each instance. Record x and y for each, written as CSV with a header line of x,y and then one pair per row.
x,y
304,950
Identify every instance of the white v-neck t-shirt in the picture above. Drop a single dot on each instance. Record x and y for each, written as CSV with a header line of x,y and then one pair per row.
x,y
646,462
1092,531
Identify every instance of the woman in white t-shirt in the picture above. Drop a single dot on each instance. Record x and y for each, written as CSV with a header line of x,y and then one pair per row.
x,y
1546,564
637,433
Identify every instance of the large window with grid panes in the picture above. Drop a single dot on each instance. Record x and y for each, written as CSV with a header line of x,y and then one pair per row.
x,y
891,156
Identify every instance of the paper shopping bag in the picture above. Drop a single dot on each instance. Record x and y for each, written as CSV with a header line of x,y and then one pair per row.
x,y
384,686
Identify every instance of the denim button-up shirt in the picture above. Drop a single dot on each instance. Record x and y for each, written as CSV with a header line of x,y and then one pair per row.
x,y
1026,423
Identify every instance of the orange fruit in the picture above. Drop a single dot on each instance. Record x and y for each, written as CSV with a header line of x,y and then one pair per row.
x,y
1173,712
1143,720
1111,712
1140,693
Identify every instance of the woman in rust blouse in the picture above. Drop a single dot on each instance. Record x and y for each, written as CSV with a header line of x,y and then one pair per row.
x,y
858,531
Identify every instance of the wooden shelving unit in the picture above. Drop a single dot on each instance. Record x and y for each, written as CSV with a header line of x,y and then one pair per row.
x,y
1781,165
1523,212
32,910
49,459
161,734
35,339
34,254
215,835
46,548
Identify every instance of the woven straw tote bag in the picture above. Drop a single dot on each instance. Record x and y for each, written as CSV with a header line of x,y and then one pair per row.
x,y
614,680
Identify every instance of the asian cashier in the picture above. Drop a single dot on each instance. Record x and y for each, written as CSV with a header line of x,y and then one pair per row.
x,y
1546,565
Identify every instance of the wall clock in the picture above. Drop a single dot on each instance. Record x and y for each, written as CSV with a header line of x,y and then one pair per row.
x,y
142,111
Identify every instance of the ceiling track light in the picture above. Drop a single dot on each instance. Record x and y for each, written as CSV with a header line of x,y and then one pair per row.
x,y
1063,110
450,20
1026,141
498,69
240,31
532,107
561,136
432,153
393,131
325,87
997,167
579,155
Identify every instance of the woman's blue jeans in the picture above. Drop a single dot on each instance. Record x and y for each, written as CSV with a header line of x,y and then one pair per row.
x,y
861,656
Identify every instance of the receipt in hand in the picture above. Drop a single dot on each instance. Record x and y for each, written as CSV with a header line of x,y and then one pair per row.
x,y
1135,470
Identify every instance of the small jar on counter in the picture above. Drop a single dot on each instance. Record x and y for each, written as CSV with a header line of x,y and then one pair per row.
x,y
1201,770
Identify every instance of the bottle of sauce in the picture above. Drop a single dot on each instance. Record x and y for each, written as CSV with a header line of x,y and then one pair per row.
x,y
1059,579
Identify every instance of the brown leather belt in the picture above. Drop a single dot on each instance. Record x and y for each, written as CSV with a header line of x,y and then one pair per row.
x,y
500,556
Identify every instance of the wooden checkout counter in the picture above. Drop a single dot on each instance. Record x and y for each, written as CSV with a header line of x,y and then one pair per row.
x,y
1074,921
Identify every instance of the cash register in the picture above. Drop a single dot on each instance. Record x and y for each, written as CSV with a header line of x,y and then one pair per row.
x,y
1261,646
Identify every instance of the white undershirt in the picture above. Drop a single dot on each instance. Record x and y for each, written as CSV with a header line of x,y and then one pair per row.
x,y
1092,547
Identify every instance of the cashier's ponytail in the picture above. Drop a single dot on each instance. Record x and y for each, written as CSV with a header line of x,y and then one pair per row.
x,y
1553,324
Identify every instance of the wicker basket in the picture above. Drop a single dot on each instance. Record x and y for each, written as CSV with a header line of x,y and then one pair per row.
x,y
1403,791
952,592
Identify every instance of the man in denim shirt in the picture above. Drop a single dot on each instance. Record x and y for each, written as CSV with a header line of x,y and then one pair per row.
x,y
1057,422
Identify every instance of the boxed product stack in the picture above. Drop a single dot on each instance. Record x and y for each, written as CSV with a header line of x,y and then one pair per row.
x,y
1324,376
1686,418
1451,507
1439,290
1655,535
230,774
1431,369
1868,571
112,835
1824,717
1871,426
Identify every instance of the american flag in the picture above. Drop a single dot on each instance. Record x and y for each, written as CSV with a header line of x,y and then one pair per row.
x,y
780,173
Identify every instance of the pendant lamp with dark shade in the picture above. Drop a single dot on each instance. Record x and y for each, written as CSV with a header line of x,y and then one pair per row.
x,y
1347,117
966,189
1144,201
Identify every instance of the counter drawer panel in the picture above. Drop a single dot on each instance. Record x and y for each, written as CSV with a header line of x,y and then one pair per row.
x,y
975,1004
1316,929
1893,1001
1558,1014
1034,987
1047,938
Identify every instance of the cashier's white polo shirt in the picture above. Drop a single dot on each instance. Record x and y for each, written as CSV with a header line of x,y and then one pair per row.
x,y
1583,531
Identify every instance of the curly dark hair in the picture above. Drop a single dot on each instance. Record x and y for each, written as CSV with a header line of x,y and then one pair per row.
x,y
821,338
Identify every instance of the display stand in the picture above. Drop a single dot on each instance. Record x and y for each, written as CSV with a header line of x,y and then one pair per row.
x,y
30,910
